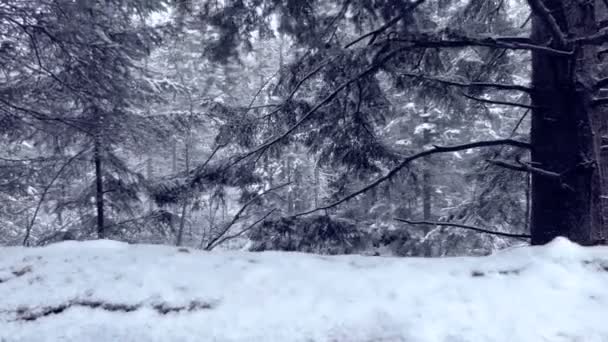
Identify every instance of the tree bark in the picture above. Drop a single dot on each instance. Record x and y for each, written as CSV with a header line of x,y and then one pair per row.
x,y
564,131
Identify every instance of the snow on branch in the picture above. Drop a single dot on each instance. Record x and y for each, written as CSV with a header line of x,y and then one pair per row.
x,y
408,160
465,84
458,41
221,237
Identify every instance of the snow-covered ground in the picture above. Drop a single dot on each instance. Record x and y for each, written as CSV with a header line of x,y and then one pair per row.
x,y
110,291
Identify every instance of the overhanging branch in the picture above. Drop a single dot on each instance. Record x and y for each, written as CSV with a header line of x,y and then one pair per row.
x,y
464,84
458,41
374,34
408,160
496,102
465,226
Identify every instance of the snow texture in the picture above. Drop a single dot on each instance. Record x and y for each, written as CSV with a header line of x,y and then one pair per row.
x,y
110,291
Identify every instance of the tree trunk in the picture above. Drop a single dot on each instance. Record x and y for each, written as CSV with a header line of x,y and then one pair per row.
x,y
564,132
426,177
99,204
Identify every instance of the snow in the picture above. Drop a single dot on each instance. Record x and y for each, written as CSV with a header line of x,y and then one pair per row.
x,y
557,292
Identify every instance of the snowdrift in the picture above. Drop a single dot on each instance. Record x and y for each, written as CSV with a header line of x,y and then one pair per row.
x,y
110,291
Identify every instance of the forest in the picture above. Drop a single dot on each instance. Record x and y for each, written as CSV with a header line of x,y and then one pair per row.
x,y
376,127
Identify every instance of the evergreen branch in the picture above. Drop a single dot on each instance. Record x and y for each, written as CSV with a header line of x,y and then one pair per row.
x,y
264,146
297,87
243,231
496,102
408,160
375,33
211,244
45,191
465,226
539,8
456,83
44,117
511,43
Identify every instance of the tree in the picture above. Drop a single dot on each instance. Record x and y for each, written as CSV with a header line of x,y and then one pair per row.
x,y
392,36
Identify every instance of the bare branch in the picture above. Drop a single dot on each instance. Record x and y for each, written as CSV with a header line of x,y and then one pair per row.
x,y
495,102
600,101
237,216
45,191
465,226
408,160
243,231
600,83
522,167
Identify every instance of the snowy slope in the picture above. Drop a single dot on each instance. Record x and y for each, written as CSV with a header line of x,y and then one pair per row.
x,y
109,291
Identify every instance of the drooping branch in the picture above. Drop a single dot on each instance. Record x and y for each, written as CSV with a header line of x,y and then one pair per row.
x,y
465,84
242,231
522,167
408,160
212,243
459,41
465,226
272,141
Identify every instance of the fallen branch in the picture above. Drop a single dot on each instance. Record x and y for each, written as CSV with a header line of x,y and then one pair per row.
x,y
465,226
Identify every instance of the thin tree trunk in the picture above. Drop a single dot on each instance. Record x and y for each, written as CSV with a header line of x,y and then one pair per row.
x,y
564,132
99,201
426,178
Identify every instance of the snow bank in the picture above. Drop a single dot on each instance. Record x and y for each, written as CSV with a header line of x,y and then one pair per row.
x,y
109,291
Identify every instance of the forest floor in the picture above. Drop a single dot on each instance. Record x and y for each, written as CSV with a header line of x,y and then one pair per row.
x,y
110,291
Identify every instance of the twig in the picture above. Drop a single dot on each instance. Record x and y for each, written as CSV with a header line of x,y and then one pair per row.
x,y
243,231
46,189
236,217
496,102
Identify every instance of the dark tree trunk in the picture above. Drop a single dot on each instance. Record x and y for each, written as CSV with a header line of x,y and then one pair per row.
x,y
99,204
564,132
